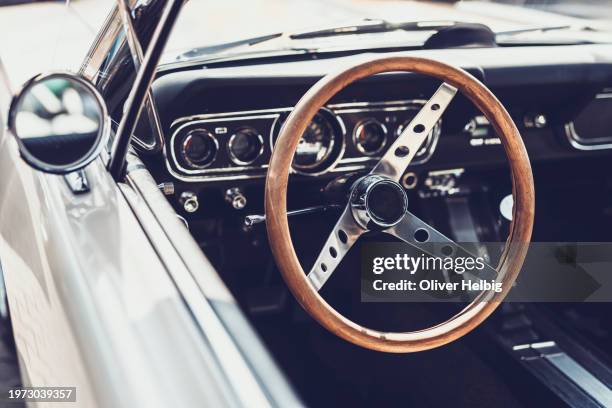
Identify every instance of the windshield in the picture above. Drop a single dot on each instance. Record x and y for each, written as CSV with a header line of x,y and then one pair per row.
x,y
587,9
46,36
205,24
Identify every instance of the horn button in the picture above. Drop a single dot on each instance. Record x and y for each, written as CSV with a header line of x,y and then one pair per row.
x,y
378,202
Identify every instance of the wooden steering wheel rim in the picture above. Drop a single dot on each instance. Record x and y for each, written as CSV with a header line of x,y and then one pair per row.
x,y
277,225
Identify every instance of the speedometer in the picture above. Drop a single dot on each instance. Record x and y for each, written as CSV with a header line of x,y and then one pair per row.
x,y
320,145
316,144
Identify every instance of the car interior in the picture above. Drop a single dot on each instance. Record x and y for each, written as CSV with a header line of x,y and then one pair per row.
x,y
221,118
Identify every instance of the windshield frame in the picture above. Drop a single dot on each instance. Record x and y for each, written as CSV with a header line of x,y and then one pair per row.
x,y
111,64
114,59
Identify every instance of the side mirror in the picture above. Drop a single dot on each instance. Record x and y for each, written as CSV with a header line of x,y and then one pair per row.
x,y
60,122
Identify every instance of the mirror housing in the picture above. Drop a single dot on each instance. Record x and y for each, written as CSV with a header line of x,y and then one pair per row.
x,y
60,122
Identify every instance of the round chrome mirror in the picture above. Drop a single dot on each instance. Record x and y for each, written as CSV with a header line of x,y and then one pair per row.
x,y
60,122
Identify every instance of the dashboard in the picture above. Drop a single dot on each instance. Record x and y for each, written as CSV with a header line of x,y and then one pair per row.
x,y
341,137
221,121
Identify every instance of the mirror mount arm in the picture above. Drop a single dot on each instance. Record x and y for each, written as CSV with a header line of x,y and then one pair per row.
x,y
142,84
136,49
130,32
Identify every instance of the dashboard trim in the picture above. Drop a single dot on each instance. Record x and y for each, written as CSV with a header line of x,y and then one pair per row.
x,y
248,114
578,142
341,163
368,105
207,171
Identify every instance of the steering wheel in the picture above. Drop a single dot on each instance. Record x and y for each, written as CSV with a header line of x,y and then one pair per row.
x,y
378,201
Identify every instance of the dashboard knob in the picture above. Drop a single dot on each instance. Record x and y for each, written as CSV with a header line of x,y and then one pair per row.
x,y
236,198
189,201
540,121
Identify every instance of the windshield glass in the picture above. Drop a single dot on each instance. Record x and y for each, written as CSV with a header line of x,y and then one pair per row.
x,y
204,24
46,36
588,9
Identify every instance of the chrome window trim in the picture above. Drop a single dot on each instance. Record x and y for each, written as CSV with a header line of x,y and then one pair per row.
x,y
226,352
341,164
119,21
141,87
150,109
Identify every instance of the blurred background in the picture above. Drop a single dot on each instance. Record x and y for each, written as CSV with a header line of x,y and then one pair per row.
x,y
38,36
598,9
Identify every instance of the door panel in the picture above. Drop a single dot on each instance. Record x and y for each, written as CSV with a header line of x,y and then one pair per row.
x,y
91,303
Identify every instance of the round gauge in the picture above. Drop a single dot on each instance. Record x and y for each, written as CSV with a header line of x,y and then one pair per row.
x,y
316,144
321,145
199,148
245,146
370,136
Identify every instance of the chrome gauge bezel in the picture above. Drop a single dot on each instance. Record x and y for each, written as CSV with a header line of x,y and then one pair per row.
x,y
391,106
211,136
339,142
230,143
181,125
330,151
360,126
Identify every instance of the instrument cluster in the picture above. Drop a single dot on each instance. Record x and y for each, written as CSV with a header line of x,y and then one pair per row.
x,y
340,138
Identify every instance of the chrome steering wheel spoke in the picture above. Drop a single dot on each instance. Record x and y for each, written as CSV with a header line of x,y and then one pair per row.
x,y
399,155
427,239
342,238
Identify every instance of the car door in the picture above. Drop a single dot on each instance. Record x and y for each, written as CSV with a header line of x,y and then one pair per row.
x,y
94,305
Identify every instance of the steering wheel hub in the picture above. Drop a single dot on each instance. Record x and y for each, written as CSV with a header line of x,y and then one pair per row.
x,y
378,202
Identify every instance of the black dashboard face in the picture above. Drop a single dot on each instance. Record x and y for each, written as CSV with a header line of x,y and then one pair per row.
x,y
221,122
340,138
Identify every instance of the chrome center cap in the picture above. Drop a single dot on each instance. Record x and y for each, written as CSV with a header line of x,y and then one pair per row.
x,y
378,202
